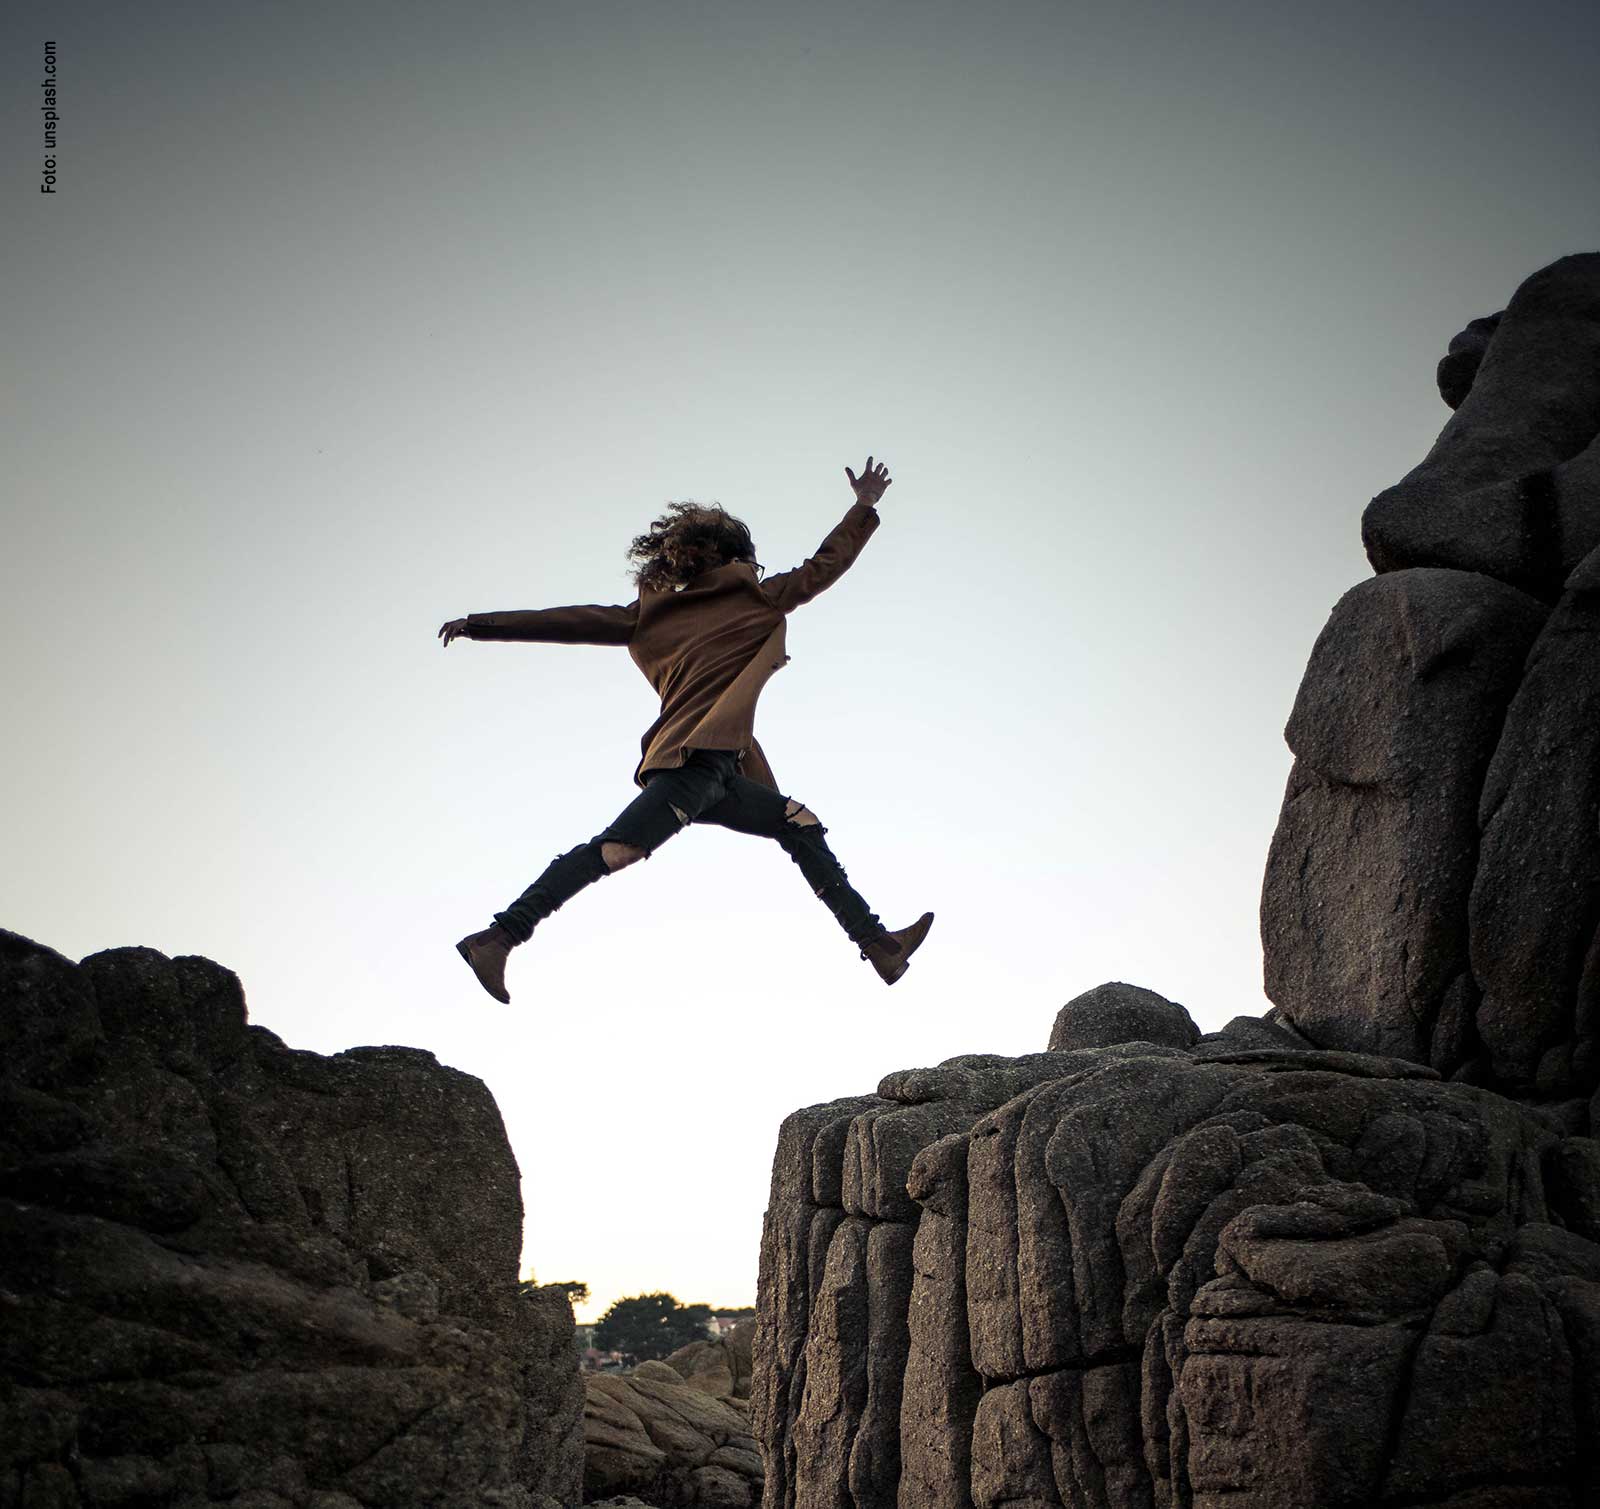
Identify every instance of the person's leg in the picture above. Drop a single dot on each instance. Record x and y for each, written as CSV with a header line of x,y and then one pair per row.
x,y
670,800
750,807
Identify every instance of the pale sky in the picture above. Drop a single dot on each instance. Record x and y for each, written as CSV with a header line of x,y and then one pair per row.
x,y
348,319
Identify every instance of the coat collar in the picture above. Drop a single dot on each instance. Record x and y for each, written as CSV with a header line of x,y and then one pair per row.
x,y
716,575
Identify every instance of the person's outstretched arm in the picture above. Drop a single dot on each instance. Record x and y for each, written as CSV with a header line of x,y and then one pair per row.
x,y
789,589
588,624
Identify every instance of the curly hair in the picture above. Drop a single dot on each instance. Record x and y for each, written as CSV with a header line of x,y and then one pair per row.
x,y
687,539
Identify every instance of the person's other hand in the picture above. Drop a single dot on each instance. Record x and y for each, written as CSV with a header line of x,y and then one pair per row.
x,y
453,630
872,482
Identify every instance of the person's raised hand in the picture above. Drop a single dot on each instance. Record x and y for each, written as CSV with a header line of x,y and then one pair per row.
x,y
872,482
455,629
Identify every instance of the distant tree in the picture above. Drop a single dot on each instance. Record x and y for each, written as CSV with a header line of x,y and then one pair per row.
x,y
649,1326
575,1290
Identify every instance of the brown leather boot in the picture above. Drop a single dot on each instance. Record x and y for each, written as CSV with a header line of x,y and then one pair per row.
x,y
486,952
890,952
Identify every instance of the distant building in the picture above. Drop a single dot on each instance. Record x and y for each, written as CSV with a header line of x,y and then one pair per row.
x,y
590,1358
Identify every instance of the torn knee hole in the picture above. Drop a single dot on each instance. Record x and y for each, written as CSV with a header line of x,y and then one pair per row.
x,y
800,816
617,855
683,817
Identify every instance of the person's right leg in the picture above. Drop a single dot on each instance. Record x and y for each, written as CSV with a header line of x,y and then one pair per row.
x,y
670,800
750,807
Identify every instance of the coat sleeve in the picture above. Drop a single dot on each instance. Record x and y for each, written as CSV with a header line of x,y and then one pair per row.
x,y
589,624
789,589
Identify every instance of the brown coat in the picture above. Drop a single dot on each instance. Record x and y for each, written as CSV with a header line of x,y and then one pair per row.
x,y
707,647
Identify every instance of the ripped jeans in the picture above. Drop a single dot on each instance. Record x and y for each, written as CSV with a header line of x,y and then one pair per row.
x,y
706,788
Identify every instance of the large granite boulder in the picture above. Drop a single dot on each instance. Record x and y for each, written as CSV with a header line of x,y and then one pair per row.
x,y
719,1365
653,1434
237,1272
1364,903
1117,1012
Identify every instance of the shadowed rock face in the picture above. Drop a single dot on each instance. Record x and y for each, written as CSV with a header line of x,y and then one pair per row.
x,y
1347,1254
235,1269
1458,367
1512,487
1534,912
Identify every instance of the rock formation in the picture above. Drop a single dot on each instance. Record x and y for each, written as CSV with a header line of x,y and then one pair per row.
x,y
1346,1254
652,1433
230,1271
719,1366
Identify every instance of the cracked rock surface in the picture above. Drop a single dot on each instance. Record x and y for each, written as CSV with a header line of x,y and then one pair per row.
x,y
1191,1277
233,1272
653,1434
720,1365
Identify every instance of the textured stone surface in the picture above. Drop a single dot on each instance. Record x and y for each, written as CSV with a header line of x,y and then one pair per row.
x,y
1511,488
1536,894
1229,1275
720,1366
235,1269
795,1236
1118,1013
942,1388
650,1433
834,1289
1364,901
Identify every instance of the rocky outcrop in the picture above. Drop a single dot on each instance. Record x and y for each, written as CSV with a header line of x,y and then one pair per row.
x,y
719,1366
652,1434
837,1295
1364,905
237,1272
1434,883
1346,1254
1166,1276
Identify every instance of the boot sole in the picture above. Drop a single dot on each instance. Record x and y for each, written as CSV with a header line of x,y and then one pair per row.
x,y
461,948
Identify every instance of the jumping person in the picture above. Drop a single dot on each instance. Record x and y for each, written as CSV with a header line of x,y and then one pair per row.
x,y
707,631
